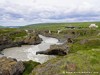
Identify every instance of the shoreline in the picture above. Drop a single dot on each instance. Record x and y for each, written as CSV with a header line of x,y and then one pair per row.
x,y
31,50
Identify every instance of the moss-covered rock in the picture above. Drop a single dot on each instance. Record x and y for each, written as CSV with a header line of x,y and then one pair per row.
x,y
29,66
10,66
56,50
32,39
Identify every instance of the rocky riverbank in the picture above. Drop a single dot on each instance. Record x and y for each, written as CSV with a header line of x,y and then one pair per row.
x,y
60,50
16,38
10,66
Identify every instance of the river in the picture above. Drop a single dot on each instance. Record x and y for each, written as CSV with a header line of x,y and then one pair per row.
x,y
28,52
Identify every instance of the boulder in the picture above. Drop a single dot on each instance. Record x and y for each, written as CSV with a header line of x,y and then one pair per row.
x,y
32,39
56,50
10,66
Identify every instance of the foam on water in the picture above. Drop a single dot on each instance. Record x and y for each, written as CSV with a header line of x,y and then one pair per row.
x,y
28,52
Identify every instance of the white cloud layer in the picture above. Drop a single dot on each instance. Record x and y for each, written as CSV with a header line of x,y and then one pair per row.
x,y
23,12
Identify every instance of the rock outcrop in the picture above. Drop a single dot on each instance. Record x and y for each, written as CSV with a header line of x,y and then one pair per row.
x,y
9,66
32,39
7,42
16,39
56,50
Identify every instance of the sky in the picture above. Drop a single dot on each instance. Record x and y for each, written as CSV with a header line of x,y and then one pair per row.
x,y
24,12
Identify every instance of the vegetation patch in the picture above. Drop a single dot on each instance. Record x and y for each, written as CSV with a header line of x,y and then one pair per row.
x,y
81,61
29,66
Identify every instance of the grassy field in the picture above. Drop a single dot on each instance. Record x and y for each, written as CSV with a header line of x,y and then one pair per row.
x,y
56,26
12,33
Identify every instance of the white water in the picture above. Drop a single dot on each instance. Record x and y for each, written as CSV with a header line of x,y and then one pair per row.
x,y
28,52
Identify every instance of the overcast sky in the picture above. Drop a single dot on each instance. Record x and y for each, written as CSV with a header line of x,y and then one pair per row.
x,y
23,12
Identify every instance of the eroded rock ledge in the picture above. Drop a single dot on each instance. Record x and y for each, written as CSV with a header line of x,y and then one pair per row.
x,y
9,66
32,39
18,38
56,50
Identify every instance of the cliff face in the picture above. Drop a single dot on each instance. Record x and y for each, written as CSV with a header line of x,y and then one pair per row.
x,y
9,66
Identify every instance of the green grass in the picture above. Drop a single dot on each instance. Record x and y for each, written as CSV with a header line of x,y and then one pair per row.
x,y
12,33
56,26
91,42
83,61
6,30
29,66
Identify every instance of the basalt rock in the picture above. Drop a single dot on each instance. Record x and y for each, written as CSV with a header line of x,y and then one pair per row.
x,y
56,50
32,39
10,66
13,44
7,41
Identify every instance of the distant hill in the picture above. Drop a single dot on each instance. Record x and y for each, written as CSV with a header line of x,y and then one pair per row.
x,y
13,26
10,26
2,27
54,26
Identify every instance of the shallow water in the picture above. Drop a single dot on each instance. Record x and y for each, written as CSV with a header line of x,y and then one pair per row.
x,y
28,52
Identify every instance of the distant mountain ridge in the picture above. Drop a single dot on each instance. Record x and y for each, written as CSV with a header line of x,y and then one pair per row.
x,y
53,26
13,26
10,26
2,26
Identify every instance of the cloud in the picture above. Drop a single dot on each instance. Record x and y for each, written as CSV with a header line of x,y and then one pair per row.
x,y
23,12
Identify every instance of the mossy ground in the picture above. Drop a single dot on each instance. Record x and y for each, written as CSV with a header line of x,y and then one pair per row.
x,y
13,33
29,66
87,61
56,26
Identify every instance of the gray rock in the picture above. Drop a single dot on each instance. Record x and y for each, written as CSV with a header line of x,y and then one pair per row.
x,y
32,39
56,50
10,66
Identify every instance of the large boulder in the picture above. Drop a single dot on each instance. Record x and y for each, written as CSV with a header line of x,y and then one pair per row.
x,y
56,50
32,39
9,66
